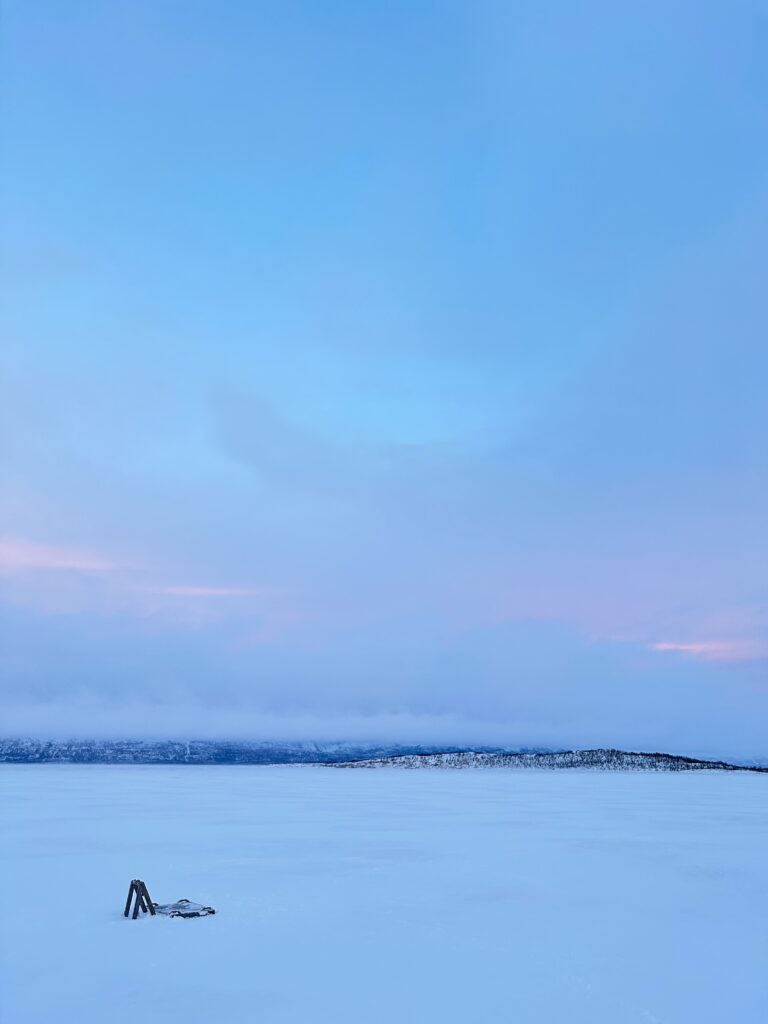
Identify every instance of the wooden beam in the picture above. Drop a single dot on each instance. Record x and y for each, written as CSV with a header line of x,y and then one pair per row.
x,y
147,899
128,901
137,904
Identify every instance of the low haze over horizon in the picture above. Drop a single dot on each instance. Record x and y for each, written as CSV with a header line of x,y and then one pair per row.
x,y
386,372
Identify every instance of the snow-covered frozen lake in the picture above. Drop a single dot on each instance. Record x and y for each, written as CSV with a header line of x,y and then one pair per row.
x,y
399,896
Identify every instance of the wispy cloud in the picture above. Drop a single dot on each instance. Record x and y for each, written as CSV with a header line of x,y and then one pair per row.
x,y
58,580
715,650
205,590
18,554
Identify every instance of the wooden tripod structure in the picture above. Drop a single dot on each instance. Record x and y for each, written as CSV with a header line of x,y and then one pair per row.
x,y
143,902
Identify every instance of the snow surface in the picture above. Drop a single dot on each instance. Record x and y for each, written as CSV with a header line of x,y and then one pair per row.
x,y
432,896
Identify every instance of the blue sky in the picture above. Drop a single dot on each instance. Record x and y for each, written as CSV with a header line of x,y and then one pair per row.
x,y
386,370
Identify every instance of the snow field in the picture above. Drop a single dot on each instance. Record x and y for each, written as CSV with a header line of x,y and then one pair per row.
x,y
410,896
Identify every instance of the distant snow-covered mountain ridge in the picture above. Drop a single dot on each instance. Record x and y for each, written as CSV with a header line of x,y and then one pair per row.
x,y
602,759
342,755
34,751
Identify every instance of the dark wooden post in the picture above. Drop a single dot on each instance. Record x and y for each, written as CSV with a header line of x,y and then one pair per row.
x,y
147,899
128,901
137,904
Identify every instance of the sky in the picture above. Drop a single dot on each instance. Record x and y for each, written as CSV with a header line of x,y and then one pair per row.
x,y
386,370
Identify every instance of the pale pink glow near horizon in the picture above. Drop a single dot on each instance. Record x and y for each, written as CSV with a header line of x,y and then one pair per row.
x,y
19,554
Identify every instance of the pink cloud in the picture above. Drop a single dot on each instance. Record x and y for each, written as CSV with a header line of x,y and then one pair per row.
x,y
17,554
716,650
60,580
204,590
